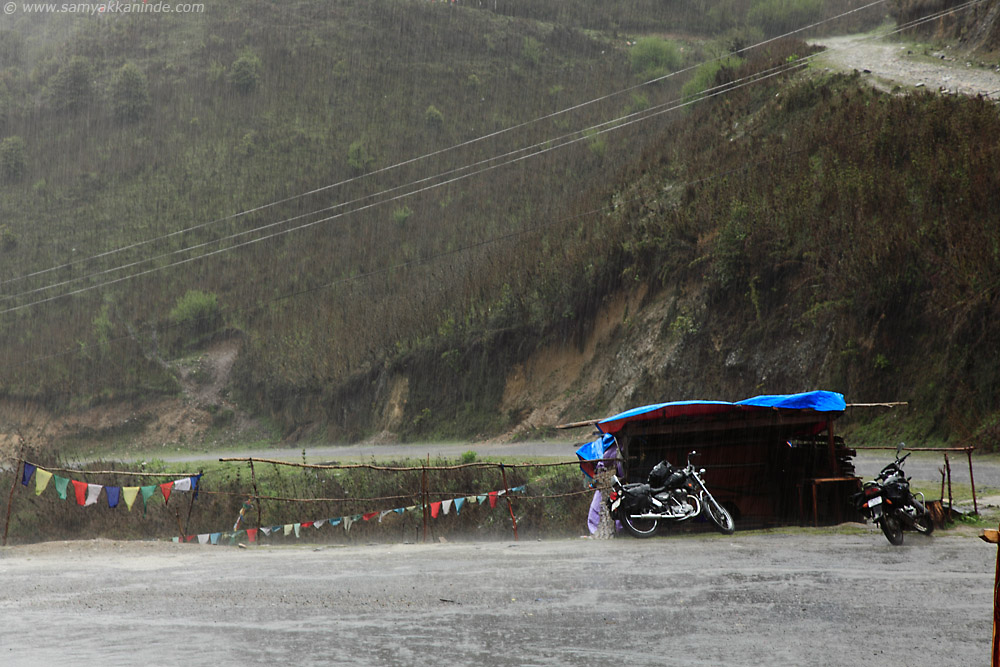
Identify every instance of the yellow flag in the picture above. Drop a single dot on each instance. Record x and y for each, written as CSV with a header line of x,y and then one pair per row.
x,y
42,478
130,492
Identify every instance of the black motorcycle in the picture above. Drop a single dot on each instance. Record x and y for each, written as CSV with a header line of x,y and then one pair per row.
x,y
888,501
669,495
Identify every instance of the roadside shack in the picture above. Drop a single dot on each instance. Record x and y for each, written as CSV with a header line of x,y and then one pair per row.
x,y
769,459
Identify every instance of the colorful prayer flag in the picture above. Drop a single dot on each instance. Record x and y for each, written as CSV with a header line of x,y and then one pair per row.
x,y
130,492
42,478
165,489
80,491
62,483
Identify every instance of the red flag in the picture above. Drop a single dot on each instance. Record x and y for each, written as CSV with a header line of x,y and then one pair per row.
x,y
306,524
251,534
369,516
493,498
165,488
190,538
435,509
80,489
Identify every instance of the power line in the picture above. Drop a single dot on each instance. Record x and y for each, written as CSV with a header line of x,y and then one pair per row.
x,y
565,140
431,154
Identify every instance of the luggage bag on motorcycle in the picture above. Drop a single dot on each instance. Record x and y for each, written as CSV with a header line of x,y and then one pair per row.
x,y
635,497
665,476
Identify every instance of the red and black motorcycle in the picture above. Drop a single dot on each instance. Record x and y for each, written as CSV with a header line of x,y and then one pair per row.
x,y
888,502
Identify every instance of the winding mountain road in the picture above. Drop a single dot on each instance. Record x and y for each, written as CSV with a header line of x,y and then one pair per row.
x,y
889,64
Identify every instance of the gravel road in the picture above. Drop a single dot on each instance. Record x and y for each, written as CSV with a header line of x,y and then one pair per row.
x,y
889,63
784,598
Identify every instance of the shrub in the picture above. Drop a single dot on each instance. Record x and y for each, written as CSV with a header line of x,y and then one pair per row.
x,y
652,57
196,314
244,75
70,88
706,76
433,116
358,155
13,160
129,93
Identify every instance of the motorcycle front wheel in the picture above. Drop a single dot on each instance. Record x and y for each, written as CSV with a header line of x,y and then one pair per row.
x,y
639,527
892,529
719,515
923,524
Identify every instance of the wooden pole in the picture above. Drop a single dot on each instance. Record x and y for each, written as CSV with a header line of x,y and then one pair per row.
x,y
423,495
995,661
993,537
510,505
256,496
194,492
10,500
832,446
947,467
972,481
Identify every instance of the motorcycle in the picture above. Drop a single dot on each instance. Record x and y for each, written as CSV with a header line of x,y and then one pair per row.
x,y
888,502
669,495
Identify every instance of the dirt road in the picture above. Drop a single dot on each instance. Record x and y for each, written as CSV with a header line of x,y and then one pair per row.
x,y
889,63
790,598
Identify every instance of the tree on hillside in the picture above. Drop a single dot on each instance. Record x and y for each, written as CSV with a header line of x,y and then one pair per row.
x,y
129,93
13,159
244,75
71,88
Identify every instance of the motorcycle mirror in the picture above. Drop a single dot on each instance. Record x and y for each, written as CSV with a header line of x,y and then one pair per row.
x,y
899,448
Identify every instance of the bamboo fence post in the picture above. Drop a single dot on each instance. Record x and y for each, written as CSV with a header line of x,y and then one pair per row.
x,y
253,478
972,481
10,499
947,467
510,505
194,492
423,495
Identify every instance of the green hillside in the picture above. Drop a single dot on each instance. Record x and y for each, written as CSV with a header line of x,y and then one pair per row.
x,y
369,192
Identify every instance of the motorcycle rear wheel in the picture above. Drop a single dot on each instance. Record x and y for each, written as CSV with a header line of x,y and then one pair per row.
x,y
892,529
640,527
719,515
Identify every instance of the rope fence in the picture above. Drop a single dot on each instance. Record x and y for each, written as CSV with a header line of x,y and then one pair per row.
x,y
424,495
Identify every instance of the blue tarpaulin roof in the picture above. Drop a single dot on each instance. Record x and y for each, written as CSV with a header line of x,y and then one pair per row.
x,y
817,401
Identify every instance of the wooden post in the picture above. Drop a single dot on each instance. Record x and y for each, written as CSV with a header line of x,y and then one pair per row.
x,y
972,481
510,505
833,450
993,537
10,499
253,479
423,494
194,492
947,467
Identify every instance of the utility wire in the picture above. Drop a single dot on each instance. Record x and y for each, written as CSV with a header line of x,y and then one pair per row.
x,y
608,126
721,90
641,115
431,154
565,140
534,149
